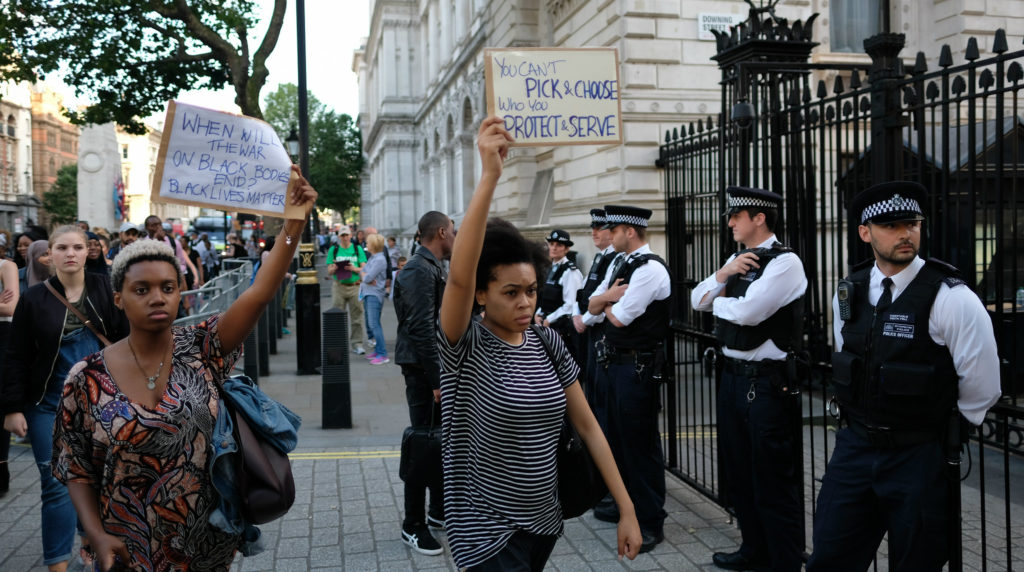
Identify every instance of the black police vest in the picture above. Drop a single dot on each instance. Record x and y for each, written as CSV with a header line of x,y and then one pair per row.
x,y
551,294
784,327
597,272
650,328
890,372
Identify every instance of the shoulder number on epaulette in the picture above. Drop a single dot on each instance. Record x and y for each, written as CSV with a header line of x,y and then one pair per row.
x,y
953,281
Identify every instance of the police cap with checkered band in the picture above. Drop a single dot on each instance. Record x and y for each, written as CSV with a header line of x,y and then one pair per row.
x,y
560,236
597,218
739,198
889,202
633,216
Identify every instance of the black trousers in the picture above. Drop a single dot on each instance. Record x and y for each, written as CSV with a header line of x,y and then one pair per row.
x,y
868,491
756,425
630,407
420,397
524,552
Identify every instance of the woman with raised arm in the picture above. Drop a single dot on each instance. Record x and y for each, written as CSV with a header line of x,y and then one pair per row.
x,y
58,321
133,435
503,398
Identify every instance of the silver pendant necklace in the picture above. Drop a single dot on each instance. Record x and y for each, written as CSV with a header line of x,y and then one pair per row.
x,y
150,379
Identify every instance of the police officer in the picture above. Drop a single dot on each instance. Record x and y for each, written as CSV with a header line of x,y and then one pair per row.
x,y
602,238
635,307
558,296
914,344
756,298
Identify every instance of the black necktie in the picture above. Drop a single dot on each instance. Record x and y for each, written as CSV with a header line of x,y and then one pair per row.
x,y
886,298
616,264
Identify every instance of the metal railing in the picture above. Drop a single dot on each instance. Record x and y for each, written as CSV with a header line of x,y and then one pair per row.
x,y
957,130
217,294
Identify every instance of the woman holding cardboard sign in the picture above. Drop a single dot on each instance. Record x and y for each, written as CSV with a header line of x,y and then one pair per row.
x,y
503,398
134,432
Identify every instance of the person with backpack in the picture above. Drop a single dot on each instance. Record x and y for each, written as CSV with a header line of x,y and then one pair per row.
x,y
344,261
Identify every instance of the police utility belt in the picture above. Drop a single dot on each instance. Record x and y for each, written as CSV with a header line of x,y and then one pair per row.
x,y
886,437
649,364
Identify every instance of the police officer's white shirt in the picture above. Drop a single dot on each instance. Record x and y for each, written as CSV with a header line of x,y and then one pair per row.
x,y
608,251
648,283
781,282
571,281
959,321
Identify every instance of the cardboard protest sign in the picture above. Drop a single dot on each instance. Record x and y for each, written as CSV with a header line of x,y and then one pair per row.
x,y
224,161
555,96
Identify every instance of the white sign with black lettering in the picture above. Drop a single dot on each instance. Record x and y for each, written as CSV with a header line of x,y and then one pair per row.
x,y
720,22
229,162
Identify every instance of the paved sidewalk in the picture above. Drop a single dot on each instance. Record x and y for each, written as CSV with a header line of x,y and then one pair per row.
x,y
349,502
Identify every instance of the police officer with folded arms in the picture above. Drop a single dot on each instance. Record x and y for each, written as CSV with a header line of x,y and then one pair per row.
x,y
635,304
915,351
757,300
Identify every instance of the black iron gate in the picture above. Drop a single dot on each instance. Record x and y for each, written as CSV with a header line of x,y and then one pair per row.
x,y
956,129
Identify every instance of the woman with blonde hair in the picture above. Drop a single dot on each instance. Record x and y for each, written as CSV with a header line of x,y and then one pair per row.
x,y
59,321
371,291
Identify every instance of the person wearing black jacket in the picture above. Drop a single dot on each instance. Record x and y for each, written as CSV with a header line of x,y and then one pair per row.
x,y
50,340
417,296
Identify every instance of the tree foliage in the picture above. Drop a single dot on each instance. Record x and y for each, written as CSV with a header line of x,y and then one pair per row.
x,y
335,145
132,56
61,201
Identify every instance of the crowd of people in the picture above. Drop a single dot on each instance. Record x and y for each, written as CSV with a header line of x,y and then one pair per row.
x,y
499,339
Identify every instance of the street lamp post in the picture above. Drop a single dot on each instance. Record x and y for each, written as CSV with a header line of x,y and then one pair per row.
x,y
307,287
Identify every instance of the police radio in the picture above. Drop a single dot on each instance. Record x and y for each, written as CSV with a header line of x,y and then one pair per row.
x,y
844,294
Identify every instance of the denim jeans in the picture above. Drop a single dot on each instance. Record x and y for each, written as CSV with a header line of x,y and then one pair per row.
x,y
58,514
373,307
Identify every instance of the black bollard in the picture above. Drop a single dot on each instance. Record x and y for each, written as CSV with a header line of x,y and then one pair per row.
x,y
263,329
273,328
278,315
336,397
250,357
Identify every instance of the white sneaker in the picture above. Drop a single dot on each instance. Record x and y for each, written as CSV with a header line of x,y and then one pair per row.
x,y
420,540
358,350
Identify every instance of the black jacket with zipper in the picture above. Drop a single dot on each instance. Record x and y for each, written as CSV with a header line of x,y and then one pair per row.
x,y
417,296
36,333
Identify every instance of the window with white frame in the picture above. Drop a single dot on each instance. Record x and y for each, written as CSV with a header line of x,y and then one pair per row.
x,y
853,21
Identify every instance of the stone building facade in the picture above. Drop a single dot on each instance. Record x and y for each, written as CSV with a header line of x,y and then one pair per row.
x,y
54,141
18,206
422,93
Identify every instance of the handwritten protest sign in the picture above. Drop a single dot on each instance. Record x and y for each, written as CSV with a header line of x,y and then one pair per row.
x,y
223,161
555,96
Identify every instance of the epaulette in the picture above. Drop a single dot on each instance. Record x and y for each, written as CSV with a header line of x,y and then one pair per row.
x,y
781,248
951,274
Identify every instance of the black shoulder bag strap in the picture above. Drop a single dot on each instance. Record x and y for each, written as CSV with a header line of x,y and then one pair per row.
x,y
85,320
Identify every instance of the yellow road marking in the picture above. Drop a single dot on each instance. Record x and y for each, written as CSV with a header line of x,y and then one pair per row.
x,y
337,455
